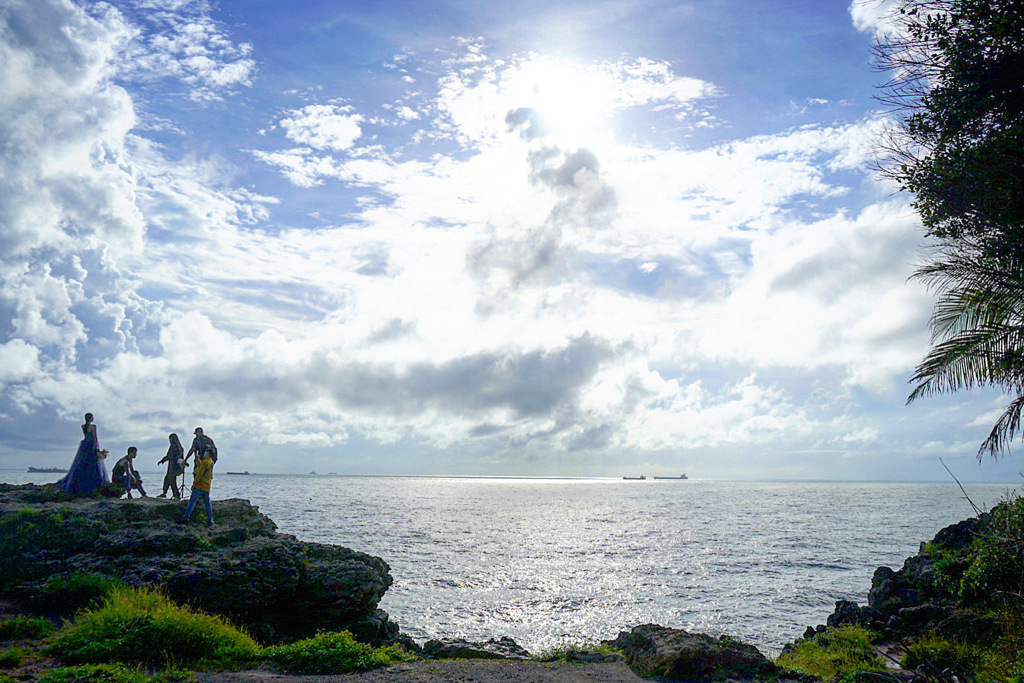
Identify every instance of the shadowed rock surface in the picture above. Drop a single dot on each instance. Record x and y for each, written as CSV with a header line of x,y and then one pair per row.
x,y
673,653
273,584
458,648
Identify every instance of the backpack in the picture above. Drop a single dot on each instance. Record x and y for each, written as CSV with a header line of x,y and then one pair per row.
x,y
207,447
210,449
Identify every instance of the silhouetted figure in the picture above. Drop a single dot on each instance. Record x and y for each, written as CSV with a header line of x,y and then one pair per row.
x,y
175,460
202,479
202,444
87,472
124,473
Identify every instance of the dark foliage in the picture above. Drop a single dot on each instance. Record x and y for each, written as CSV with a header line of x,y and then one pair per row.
x,y
957,87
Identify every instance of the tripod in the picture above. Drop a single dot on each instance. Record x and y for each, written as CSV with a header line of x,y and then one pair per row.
x,y
184,490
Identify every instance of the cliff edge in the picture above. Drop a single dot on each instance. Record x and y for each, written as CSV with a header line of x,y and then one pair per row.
x,y
278,587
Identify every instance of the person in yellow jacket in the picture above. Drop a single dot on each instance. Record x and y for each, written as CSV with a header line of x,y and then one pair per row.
x,y
202,478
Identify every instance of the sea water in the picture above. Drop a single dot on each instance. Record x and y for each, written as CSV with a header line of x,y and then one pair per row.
x,y
552,562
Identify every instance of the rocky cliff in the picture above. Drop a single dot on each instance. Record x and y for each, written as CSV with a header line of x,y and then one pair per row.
x,y
925,594
276,586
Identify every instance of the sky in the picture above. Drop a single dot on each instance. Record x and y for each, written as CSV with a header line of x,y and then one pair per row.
x,y
559,238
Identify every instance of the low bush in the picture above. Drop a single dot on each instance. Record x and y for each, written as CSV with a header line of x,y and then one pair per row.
x,y
571,652
22,532
834,654
25,628
938,654
111,673
66,595
1003,658
12,657
142,627
996,558
332,653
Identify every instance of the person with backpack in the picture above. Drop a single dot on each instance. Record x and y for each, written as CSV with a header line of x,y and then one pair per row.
x,y
202,444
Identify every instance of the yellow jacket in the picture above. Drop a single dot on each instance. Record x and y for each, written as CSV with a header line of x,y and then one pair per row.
x,y
203,474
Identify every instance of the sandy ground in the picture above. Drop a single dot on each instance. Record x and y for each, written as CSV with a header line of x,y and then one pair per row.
x,y
452,671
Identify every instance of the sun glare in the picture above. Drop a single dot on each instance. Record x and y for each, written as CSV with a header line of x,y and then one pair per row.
x,y
572,101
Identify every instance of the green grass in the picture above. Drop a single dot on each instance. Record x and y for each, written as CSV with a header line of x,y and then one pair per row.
x,y
939,654
142,627
66,595
562,652
139,627
331,653
25,628
12,657
838,653
996,558
111,673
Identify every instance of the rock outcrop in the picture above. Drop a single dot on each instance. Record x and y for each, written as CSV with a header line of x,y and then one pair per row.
x,y
274,585
458,648
673,653
914,599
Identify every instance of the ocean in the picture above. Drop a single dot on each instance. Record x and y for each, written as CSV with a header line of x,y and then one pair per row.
x,y
553,562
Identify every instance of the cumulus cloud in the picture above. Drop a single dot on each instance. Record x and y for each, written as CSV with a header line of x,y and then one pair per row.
x,y
322,126
180,40
504,272
873,16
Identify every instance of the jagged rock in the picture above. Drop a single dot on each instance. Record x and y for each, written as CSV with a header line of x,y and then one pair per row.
x,y
846,612
910,601
457,648
673,653
960,535
271,583
917,618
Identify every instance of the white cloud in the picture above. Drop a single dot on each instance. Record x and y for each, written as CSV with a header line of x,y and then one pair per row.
x,y
322,127
19,360
513,278
180,40
873,16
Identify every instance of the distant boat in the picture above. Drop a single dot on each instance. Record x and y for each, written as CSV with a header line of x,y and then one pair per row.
x,y
640,478
45,469
246,472
681,476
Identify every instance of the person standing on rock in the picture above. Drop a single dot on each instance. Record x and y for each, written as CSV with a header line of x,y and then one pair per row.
x,y
175,460
87,472
202,479
125,474
201,444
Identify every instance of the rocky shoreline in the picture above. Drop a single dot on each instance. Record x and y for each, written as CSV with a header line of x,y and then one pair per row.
x,y
281,589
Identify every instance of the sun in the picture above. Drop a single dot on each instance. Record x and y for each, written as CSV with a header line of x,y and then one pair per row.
x,y
572,101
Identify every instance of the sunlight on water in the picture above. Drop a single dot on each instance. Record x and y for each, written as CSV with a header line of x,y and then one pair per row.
x,y
553,561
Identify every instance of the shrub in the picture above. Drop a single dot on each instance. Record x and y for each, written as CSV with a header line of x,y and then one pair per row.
x,y
111,673
68,594
996,560
836,653
1004,659
938,654
12,657
25,531
25,628
140,626
571,652
332,653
